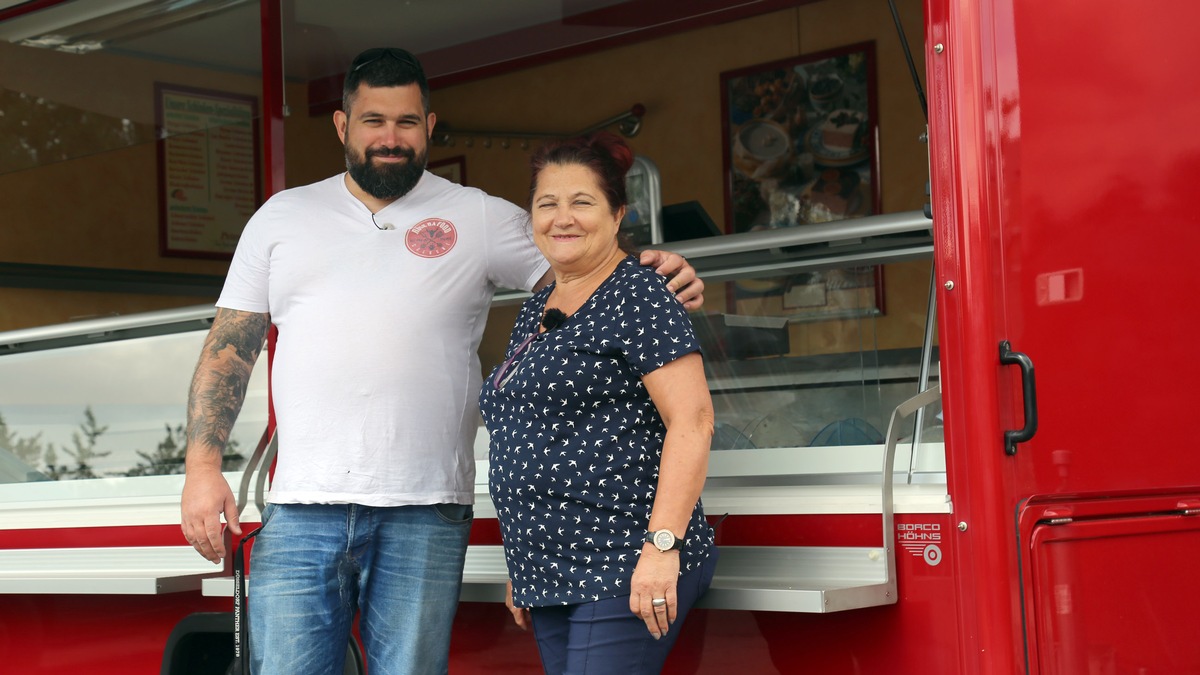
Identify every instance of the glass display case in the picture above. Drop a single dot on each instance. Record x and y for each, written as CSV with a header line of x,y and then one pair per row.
x,y
108,399
811,337
818,347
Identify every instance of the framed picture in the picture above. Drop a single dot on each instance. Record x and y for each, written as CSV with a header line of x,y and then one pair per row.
x,y
209,182
799,140
453,169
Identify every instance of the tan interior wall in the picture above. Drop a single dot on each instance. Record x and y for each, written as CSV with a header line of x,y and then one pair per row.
x,y
99,209
310,143
61,215
677,78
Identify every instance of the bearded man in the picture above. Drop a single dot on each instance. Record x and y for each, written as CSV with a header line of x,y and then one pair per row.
x,y
379,281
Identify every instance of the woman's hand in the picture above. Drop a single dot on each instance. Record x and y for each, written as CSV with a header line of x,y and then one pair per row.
x,y
687,287
520,614
655,577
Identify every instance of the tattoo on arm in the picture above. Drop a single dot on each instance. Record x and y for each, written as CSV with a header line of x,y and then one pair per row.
x,y
222,375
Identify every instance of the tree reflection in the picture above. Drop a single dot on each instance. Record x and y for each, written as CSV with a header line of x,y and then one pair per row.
x,y
166,459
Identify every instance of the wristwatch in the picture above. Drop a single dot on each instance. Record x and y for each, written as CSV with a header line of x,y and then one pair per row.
x,y
664,540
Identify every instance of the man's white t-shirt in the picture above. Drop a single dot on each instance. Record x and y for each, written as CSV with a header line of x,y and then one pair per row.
x,y
376,374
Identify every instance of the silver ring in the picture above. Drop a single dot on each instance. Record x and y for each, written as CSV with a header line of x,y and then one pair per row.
x,y
659,602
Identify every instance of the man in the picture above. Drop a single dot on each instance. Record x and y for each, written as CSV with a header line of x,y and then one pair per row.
x,y
379,282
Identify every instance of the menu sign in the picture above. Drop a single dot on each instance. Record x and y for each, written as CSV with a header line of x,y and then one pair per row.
x,y
208,169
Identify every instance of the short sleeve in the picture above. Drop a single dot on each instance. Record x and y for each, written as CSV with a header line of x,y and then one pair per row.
x,y
655,329
247,285
513,260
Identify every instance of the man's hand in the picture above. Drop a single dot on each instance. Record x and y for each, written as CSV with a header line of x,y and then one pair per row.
x,y
687,287
206,495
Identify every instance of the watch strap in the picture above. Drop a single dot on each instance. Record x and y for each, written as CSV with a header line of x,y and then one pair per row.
x,y
677,544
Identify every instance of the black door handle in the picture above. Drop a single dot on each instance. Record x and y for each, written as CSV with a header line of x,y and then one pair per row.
x,y
1029,392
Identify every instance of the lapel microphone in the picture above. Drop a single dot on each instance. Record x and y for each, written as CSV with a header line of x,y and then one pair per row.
x,y
385,226
553,318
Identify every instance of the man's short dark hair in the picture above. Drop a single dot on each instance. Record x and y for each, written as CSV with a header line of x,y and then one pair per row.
x,y
384,67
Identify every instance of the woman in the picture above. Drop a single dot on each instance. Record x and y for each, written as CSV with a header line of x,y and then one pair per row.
x,y
600,422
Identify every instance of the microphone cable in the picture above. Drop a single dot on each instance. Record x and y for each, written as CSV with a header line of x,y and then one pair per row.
x,y
385,226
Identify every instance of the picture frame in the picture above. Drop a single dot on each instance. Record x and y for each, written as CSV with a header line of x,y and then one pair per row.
x,y
208,169
799,140
453,169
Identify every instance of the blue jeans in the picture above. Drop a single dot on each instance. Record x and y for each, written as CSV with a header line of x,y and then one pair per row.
x,y
604,637
314,565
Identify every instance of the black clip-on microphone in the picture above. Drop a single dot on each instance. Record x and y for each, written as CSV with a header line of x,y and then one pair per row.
x,y
553,318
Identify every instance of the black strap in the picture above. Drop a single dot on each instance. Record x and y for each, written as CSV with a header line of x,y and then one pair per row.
x,y
714,525
241,629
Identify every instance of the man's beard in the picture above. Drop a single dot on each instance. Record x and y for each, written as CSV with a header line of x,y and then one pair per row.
x,y
387,181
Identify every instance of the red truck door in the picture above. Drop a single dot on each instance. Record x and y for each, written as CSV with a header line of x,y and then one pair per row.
x,y
1064,151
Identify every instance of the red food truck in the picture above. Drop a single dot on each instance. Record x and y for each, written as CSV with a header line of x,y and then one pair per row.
x,y
931,508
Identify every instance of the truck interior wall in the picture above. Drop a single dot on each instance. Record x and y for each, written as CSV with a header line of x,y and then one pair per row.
x,y
105,207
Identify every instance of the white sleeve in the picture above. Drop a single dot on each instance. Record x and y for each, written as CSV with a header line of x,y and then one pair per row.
x,y
513,260
247,286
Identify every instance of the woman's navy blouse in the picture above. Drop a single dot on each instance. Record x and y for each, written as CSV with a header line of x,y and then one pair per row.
x,y
576,441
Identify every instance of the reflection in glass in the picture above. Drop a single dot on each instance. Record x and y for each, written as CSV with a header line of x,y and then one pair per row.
x,y
47,131
113,409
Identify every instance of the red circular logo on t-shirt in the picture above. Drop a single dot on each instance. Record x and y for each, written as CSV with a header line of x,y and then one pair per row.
x,y
432,238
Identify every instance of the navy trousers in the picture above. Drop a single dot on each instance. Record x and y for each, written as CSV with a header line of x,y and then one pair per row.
x,y
597,638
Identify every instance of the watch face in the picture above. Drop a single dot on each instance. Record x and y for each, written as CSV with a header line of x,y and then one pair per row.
x,y
664,540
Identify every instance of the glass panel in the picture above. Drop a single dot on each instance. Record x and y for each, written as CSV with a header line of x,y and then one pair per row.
x,y
109,409
806,359
83,108
824,373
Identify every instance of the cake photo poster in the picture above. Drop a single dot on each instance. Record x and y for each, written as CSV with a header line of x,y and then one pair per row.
x,y
799,146
799,139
